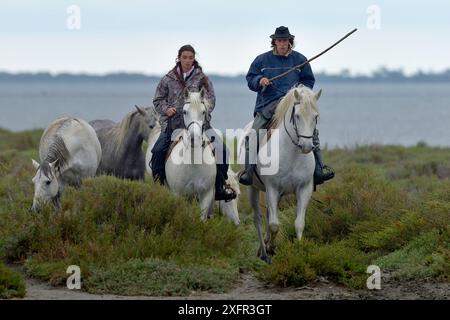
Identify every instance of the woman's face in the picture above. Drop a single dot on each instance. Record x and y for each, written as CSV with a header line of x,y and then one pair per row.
x,y
187,60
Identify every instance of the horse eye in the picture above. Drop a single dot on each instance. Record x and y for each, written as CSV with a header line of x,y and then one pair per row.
x,y
48,182
184,112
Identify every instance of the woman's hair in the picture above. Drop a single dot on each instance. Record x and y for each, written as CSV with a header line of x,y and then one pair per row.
x,y
189,48
291,41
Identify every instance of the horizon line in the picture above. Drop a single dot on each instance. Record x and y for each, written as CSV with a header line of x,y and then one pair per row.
x,y
345,73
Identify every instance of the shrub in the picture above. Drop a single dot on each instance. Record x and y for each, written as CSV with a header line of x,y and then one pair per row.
x,y
11,284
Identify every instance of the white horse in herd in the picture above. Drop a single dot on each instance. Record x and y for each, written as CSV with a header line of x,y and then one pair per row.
x,y
295,118
69,150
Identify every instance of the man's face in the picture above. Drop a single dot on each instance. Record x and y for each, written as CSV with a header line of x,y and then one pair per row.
x,y
282,46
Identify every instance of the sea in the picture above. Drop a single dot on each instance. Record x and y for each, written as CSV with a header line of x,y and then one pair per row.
x,y
351,114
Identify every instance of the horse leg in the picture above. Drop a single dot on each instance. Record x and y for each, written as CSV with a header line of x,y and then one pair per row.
x,y
303,196
257,220
207,204
272,199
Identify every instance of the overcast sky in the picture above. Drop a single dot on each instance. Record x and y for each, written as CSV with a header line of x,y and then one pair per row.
x,y
144,36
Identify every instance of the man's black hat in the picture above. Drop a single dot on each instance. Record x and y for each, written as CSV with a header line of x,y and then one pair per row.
x,y
282,33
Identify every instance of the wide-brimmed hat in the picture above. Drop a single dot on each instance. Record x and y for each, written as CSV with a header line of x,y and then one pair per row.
x,y
282,33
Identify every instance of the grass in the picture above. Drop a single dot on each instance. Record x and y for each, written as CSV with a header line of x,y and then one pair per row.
x,y
388,205
11,284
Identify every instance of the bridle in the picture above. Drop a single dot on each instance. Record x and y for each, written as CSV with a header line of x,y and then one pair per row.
x,y
292,120
201,126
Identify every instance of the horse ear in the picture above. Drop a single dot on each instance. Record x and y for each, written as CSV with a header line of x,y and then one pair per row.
x,y
53,164
318,94
141,111
203,93
297,95
36,164
186,93
55,167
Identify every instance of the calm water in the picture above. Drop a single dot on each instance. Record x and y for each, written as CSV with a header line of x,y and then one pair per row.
x,y
351,114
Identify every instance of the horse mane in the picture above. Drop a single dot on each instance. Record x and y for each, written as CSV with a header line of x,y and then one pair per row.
x,y
119,132
197,103
57,150
288,101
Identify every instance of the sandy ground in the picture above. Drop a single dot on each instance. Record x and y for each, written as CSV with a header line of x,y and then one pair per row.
x,y
251,288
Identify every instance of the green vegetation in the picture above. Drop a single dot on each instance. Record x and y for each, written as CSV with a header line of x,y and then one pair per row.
x,y
11,284
388,206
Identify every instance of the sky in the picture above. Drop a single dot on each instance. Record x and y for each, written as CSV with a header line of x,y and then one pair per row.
x,y
144,36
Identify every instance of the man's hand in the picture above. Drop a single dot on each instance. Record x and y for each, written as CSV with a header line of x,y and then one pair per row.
x,y
171,111
264,82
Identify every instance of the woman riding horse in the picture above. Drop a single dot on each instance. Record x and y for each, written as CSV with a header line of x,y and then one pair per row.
x,y
169,102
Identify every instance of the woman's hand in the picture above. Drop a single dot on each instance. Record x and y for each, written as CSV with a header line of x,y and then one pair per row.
x,y
171,111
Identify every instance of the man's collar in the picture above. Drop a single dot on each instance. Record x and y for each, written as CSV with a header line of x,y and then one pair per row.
x,y
274,51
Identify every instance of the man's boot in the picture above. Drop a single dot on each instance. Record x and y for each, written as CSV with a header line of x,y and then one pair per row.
x,y
247,177
223,190
322,172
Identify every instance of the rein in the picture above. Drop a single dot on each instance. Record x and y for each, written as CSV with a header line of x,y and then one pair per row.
x,y
292,120
202,128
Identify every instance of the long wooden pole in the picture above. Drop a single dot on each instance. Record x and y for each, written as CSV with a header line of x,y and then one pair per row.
x,y
316,56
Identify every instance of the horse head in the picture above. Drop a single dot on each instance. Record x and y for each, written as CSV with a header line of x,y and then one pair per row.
x,y
46,184
195,112
302,114
149,118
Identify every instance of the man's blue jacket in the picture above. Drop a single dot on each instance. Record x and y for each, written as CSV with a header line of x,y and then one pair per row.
x,y
270,65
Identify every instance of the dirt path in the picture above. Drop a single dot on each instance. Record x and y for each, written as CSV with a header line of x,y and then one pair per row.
x,y
251,288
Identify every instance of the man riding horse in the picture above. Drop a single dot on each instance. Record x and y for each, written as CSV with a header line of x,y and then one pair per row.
x,y
281,58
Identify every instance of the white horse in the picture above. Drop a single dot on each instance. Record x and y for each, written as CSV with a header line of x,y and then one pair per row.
x,y
230,208
69,150
295,118
191,166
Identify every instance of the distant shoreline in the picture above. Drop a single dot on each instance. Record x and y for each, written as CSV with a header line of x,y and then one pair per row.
x,y
382,75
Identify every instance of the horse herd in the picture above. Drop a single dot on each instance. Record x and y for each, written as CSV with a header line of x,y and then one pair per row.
x,y
72,149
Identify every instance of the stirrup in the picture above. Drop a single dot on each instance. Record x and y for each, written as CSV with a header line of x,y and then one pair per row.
x,y
247,181
327,173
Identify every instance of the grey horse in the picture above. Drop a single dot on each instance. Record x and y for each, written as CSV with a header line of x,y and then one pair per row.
x,y
122,154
